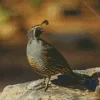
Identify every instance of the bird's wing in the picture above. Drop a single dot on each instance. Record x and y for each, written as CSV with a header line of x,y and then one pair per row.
x,y
54,57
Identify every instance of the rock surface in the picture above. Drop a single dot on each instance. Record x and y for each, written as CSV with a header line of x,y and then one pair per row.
x,y
61,88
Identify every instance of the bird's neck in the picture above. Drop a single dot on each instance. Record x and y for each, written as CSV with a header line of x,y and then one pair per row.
x,y
36,40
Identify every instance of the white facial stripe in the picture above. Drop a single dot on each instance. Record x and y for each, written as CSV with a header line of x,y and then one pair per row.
x,y
35,27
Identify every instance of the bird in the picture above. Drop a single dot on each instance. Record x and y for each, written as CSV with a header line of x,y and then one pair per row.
x,y
44,58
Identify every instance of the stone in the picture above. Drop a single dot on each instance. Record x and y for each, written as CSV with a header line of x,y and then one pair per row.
x,y
97,90
62,88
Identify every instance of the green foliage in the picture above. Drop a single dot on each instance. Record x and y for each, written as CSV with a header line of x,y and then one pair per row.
x,y
4,15
36,2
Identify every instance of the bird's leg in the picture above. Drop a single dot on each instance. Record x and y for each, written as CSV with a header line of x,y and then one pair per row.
x,y
42,84
44,81
47,83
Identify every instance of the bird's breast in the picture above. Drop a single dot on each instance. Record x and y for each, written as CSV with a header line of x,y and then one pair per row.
x,y
34,48
33,63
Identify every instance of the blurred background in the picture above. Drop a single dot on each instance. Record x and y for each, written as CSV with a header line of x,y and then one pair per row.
x,y
74,30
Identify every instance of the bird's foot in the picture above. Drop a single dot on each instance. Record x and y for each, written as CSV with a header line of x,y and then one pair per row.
x,y
47,86
35,85
40,84
43,86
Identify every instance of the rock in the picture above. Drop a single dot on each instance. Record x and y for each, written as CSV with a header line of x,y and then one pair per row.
x,y
97,90
62,88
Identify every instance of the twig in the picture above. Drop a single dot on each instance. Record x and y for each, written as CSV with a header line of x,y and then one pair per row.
x,y
92,10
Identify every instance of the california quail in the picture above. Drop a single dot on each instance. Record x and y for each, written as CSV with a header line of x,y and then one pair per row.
x,y
43,57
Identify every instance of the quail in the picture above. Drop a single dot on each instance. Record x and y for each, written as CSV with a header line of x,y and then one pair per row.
x,y
45,59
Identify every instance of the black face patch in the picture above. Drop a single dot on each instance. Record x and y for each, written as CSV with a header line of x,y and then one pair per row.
x,y
38,32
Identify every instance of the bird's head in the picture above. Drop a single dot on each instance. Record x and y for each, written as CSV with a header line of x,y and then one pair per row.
x,y
37,30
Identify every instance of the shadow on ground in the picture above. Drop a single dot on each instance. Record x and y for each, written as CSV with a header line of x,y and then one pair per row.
x,y
86,83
